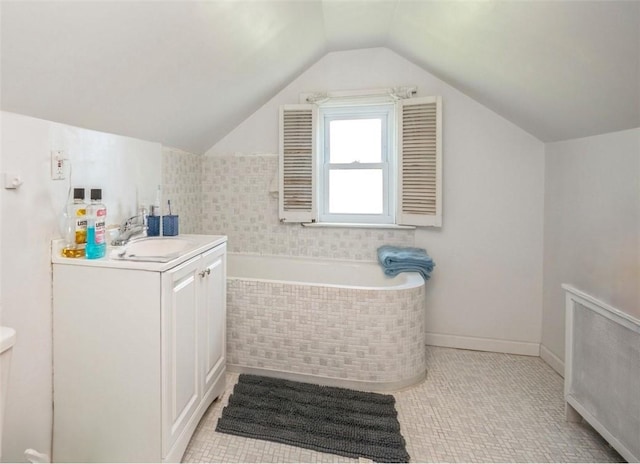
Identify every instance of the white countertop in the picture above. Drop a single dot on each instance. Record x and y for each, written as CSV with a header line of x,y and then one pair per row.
x,y
200,244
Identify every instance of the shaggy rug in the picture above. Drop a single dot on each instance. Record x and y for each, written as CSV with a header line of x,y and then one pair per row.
x,y
328,419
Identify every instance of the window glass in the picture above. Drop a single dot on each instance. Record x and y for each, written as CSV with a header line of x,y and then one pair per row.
x,y
355,140
356,191
356,164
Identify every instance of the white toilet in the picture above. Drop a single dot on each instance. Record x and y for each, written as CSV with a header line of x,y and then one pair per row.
x,y
7,339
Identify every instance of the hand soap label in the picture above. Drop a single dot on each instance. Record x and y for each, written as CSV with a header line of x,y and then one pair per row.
x,y
81,226
96,225
101,217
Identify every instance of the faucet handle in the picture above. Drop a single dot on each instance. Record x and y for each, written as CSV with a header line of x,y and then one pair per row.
x,y
127,223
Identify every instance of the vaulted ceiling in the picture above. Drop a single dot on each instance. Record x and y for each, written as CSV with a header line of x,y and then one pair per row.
x,y
186,73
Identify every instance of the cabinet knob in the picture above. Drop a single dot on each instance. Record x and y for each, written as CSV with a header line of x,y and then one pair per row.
x,y
208,270
202,273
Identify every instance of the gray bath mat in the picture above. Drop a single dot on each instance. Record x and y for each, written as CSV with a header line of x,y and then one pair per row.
x,y
328,419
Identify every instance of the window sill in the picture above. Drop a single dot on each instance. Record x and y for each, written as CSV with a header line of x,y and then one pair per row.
x,y
352,225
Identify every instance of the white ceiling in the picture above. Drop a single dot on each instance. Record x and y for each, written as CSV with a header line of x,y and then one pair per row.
x,y
186,73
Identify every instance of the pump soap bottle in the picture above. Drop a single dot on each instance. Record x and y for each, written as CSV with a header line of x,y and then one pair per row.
x,y
96,220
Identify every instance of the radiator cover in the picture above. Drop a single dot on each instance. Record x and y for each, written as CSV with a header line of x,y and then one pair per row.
x,y
602,370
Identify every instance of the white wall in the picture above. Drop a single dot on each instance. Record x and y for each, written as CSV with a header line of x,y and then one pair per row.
x,y
591,226
486,290
488,283
119,166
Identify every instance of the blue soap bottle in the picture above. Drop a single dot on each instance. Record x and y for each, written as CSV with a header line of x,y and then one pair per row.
x,y
96,226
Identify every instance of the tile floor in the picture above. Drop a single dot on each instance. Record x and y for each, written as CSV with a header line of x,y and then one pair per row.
x,y
473,407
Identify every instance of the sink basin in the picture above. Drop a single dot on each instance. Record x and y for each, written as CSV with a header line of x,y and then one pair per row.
x,y
154,249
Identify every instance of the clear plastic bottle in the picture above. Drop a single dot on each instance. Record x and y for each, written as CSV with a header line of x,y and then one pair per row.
x,y
67,228
96,224
80,214
76,227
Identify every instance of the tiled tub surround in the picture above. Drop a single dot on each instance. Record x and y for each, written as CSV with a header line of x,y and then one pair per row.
x,y
237,202
290,318
231,195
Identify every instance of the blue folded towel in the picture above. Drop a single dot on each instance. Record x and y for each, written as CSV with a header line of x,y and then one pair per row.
x,y
405,259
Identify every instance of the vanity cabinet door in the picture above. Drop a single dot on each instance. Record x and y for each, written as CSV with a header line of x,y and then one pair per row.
x,y
181,372
213,316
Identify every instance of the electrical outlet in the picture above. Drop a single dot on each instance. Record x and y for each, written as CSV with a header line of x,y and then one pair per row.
x,y
58,165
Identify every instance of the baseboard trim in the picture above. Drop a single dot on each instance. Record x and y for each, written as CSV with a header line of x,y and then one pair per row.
x,y
555,362
483,344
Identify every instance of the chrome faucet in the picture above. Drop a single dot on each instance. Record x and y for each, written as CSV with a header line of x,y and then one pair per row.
x,y
135,226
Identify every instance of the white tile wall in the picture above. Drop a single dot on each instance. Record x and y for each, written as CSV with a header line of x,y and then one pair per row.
x,y
229,195
237,203
181,183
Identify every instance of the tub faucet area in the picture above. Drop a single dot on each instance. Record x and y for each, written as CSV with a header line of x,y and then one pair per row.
x,y
133,227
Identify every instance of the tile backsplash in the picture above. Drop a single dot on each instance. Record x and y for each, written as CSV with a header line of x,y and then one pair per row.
x,y
230,195
181,183
238,203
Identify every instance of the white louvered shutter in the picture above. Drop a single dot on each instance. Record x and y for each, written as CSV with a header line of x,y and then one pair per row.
x,y
297,163
420,162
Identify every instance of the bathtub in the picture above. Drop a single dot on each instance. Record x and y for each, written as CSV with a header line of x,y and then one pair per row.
x,y
339,323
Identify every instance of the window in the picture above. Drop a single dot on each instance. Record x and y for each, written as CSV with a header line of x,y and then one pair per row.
x,y
360,162
356,165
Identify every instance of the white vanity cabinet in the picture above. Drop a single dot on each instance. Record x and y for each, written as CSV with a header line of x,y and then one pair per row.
x,y
193,341
139,354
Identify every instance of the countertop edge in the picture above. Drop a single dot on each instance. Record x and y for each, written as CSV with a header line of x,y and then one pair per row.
x,y
204,243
